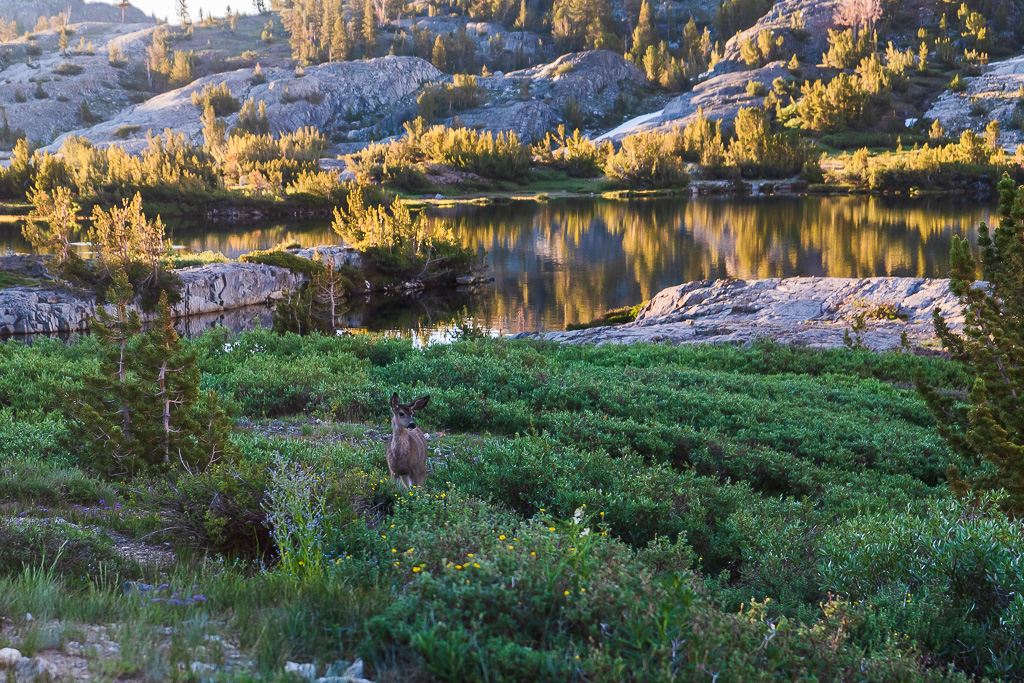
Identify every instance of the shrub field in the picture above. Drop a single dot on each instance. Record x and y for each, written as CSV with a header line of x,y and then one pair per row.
x,y
643,513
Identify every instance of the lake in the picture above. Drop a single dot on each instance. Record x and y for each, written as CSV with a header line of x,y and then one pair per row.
x,y
568,261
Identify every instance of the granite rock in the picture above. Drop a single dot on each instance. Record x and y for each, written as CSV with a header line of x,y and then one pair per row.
x,y
805,311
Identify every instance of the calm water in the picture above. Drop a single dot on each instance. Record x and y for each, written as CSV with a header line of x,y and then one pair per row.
x,y
568,261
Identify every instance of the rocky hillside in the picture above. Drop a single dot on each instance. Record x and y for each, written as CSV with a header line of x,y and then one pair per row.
x,y
997,94
27,13
349,100
84,73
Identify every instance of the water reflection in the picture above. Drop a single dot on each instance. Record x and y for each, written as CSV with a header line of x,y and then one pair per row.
x,y
567,261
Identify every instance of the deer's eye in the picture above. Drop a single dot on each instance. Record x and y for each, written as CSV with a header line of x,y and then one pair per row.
x,y
401,415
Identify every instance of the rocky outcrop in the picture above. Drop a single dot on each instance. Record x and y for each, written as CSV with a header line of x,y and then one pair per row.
x,y
995,94
27,12
205,289
720,97
43,95
597,82
340,98
806,311
807,43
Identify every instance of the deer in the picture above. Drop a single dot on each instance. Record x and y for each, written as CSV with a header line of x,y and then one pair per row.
x,y
407,446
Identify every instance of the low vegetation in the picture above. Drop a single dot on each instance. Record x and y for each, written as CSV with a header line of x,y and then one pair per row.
x,y
755,513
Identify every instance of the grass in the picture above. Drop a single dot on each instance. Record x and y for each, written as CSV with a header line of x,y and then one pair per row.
x,y
639,513
617,316
8,279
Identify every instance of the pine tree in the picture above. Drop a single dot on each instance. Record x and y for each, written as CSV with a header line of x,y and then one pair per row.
x,y
991,429
85,114
142,412
439,56
369,29
103,415
53,222
182,72
339,37
645,34
214,130
183,12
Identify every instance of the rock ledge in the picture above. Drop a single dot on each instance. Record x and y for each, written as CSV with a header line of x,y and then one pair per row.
x,y
806,311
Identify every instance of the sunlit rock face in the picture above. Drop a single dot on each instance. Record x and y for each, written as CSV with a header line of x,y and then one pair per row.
x,y
593,80
806,311
996,91
320,97
808,43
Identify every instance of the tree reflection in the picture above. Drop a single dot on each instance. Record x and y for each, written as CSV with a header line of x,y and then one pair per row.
x,y
568,261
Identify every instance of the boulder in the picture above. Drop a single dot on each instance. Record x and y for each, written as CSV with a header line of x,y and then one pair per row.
x,y
336,256
9,657
213,288
806,311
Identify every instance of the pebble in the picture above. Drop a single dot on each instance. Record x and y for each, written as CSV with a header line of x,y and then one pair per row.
x,y
307,671
9,657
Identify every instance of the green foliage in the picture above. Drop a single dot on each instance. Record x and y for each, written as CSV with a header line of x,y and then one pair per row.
x,y
734,16
440,100
646,160
53,223
833,106
576,155
845,51
283,259
399,245
499,156
222,509
142,411
618,316
760,50
68,69
991,428
701,142
643,498
217,96
760,153
964,164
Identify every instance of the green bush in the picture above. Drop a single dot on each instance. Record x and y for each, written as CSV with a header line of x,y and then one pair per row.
x,y
283,259
217,96
646,160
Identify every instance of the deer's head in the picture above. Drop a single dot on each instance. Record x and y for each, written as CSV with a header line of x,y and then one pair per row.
x,y
403,415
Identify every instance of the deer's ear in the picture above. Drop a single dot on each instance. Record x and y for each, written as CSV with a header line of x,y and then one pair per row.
x,y
420,403
394,401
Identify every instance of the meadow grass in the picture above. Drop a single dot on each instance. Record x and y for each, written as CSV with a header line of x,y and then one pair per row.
x,y
638,513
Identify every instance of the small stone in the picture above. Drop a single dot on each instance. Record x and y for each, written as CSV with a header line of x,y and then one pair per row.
x,y
306,670
9,657
37,669
200,668
29,617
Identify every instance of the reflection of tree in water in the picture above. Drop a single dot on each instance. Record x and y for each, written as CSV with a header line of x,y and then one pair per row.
x,y
568,261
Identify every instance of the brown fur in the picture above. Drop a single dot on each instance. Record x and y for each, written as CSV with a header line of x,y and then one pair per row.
x,y
407,447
